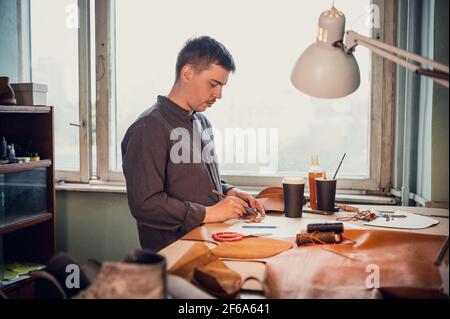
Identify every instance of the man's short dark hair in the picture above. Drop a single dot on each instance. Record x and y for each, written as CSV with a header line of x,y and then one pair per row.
x,y
203,51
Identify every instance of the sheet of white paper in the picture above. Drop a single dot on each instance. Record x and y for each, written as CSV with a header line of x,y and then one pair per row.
x,y
411,221
285,227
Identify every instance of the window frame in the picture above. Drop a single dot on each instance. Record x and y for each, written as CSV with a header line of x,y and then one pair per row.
x,y
382,106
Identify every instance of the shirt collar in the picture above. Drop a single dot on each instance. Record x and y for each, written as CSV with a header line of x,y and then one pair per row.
x,y
175,108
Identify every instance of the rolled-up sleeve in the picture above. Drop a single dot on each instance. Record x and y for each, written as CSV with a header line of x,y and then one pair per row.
x,y
145,154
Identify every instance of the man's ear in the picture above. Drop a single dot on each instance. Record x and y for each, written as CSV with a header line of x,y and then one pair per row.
x,y
186,72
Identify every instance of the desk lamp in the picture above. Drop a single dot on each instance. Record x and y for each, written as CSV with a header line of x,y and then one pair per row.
x,y
328,68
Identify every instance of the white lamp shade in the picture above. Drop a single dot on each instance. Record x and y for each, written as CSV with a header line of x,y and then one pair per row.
x,y
326,72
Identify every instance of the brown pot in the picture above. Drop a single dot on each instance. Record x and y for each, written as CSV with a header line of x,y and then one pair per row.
x,y
7,96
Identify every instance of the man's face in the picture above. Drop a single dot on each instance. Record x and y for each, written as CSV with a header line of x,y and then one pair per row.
x,y
204,87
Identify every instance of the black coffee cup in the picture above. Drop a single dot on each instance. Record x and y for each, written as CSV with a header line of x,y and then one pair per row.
x,y
293,191
326,194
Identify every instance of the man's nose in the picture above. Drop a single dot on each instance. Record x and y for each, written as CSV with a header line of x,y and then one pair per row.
x,y
218,92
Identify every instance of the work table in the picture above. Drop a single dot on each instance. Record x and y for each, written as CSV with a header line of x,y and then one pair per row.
x,y
257,269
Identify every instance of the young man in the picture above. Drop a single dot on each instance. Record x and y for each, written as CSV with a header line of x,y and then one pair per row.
x,y
169,197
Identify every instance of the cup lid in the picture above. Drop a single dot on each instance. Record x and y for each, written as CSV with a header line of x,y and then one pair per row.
x,y
293,180
324,179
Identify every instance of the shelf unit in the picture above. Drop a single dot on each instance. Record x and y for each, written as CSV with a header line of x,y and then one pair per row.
x,y
27,235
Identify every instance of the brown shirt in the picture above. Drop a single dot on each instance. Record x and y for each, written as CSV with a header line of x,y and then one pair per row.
x,y
168,197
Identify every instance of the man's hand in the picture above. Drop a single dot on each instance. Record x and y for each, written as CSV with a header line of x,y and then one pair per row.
x,y
228,208
253,202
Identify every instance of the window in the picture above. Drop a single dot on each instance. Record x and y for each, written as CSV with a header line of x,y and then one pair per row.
x,y
265,44
260,94
136,45
60,58
54,56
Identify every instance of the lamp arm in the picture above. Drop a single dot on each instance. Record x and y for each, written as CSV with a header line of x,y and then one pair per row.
x,y
439,72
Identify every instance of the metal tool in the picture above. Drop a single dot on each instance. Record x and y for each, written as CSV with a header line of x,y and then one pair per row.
x,y
317,212
337,170
390,216
421,214
442,253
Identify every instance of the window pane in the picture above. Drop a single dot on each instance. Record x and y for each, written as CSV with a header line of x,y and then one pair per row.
x,y
54,45
265,39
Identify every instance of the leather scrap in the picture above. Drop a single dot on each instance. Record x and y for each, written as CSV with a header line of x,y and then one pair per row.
x,y
198,255
251,248
204,269
272,199
218,280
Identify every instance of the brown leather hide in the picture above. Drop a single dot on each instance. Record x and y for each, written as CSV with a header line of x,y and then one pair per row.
x,y
405,263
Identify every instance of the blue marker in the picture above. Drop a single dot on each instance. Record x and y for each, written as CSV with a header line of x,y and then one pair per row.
x,y
258,226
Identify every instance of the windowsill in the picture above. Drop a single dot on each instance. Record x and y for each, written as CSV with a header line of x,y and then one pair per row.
x,y
121,188
91,188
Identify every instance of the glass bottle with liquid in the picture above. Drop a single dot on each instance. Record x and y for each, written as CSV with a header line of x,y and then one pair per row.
x,y
314,172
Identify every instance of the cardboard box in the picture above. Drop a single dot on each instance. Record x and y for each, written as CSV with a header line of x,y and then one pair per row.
x,y
30,93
